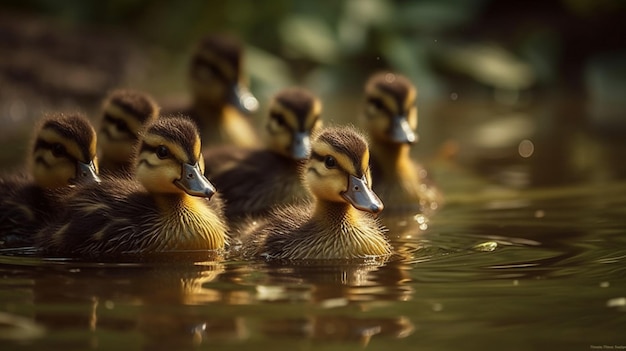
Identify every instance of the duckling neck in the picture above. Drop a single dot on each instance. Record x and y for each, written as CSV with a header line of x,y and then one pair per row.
x,y
333,212
193,224
393,158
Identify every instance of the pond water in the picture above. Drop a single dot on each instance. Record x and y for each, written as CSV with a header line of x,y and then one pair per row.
x,y
528,252
530,269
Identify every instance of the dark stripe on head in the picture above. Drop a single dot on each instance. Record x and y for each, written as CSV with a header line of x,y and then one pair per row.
x,y
135,103
74,127
179,130
347,141
227,47
215,71
396,85
298,100
120,124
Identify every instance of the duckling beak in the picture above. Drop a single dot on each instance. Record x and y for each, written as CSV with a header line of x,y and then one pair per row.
x,y
361,196
243,99
301,146
193,182
85,172
401,132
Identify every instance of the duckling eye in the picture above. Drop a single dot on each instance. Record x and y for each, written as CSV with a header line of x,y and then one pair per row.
x,y
121,125
162,152
58,149
280,120
377,103
330,162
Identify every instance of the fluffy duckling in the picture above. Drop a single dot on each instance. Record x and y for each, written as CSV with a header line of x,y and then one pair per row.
x,y
221,98
63,154
253,181
390,116
338,223
125,113
164,208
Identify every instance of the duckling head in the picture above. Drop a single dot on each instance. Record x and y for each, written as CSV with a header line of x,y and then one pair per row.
x,y
294,114
64,151
169,159
216,74
338,170
390,113
125,113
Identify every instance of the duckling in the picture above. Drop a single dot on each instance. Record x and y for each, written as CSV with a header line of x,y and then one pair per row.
x,y
63,154
390,116
338,223
221,99
164,208
252,181
124,115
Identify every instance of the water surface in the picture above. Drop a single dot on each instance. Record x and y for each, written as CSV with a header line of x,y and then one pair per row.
x,y
530,269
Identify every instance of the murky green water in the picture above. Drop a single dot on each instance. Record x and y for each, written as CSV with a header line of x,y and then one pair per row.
x,y
538,269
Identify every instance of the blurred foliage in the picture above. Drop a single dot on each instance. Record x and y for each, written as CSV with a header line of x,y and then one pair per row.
x,y
506,53
353,37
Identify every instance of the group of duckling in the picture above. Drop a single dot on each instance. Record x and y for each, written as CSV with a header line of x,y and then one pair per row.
x,y
145,183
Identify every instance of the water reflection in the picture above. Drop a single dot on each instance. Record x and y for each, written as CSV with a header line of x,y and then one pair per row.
x,y
345,299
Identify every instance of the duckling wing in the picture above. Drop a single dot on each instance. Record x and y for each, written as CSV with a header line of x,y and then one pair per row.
x,y
98,218
24,208
259,182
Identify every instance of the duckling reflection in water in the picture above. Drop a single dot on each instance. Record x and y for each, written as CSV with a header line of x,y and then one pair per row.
x,y
338,223
125,113
63,154
254,181
164,209
221,99
390,117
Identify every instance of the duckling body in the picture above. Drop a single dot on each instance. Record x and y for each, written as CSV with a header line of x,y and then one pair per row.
x,y
125,113
165,208
221,100
253,181
63,155
338,222
390,116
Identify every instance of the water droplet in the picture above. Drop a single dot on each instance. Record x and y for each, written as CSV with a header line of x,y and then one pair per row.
x,y
454,96
526,148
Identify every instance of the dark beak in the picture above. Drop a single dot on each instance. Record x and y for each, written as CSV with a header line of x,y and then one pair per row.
x,y
401,131
193,182
85,172
361,196
301,146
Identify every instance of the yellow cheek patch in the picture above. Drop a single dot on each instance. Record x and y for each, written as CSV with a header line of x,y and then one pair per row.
x,y
312,121
412,117
197,150
365,161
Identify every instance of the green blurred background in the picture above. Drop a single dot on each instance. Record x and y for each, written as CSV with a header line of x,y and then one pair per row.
x,y
490,74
